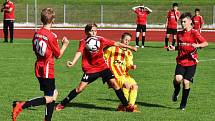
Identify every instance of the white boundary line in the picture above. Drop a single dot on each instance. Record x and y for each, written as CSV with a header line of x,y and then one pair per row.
x,y
108,29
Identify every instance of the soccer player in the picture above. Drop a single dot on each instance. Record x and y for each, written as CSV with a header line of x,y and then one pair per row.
x,y
94,66
8,8
198,20
142,12
172,24
120,60
46,48
188,40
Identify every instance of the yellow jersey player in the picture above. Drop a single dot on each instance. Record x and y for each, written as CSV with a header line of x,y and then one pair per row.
x,y
120,60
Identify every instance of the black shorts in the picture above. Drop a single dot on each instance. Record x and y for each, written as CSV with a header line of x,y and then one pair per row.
x,y
141,28
171,31
105,74
187,72
47,85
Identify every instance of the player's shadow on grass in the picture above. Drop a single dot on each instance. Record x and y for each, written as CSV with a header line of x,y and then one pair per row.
x,y
145,104
89,106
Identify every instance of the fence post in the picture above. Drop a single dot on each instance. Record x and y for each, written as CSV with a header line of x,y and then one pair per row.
x,y
26,13
102,15
214,15
35,12
64,14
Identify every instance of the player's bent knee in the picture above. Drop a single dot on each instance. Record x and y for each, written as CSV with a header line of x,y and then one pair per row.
x,y
114,84
178,78
79,90
167,35
134,87
126,85
49,99
186,84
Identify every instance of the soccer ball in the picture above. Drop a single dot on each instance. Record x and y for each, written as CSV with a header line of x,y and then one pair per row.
x,y
92,44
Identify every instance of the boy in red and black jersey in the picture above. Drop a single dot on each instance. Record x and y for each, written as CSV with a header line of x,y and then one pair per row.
x,y
172,24
94,66
142,12
198,20
46,48
188,40
8,8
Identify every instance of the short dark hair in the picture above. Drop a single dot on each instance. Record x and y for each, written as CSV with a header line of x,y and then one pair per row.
x,y
47,16
186,15
174,4
125,34
88,27
197,9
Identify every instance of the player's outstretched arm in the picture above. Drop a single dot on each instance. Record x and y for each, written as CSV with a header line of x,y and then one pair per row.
x,y
148,9
166,24
74,60
65,43
135,7
201,45
125,46
7,10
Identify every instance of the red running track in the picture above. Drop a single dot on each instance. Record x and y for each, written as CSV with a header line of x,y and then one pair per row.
x,y
114,34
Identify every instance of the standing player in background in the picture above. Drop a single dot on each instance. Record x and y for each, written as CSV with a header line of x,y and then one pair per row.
x,y
172,24
120,60
198,20
8,8
94,66
46,48
188,40
142,12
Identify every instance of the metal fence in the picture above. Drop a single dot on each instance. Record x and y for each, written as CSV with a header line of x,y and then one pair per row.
x,y
105,14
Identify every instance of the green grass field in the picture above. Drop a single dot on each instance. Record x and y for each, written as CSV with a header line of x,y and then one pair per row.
x,y
155,69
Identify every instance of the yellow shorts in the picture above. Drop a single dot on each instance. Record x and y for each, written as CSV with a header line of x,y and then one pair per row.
x,y
122,79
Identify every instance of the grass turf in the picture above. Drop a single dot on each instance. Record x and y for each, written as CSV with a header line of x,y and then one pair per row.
x,y
155,69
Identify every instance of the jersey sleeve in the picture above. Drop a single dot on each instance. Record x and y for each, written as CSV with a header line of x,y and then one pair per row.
x,y
107,42
199,37
129,60
54,45
107,53
81,46
167,15
178,14
136,11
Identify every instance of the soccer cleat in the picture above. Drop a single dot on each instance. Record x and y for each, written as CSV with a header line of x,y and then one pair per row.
x,y
182,107
165,47
59,107
174,97
17,109
137,46
142,47
121,108
136,109
130,108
